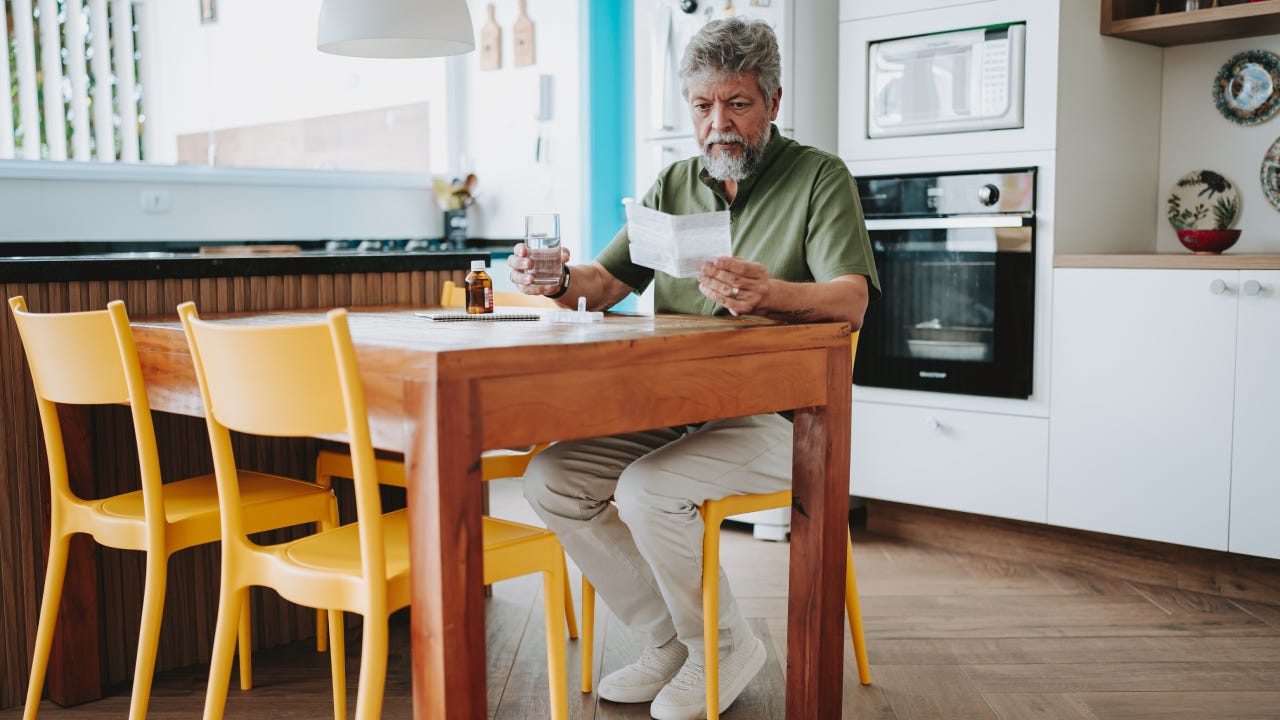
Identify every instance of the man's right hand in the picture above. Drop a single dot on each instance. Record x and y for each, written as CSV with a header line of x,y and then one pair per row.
x,y
519,263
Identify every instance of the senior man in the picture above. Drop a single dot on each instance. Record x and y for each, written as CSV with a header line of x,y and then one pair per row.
x,y
800,254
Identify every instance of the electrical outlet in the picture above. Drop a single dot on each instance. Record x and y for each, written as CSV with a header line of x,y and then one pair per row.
x,y
156,202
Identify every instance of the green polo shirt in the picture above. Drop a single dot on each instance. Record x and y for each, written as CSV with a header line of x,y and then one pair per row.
x,y
798,215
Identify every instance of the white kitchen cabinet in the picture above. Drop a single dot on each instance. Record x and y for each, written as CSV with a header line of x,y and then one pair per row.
x,y
974,462
1255,472
1158,376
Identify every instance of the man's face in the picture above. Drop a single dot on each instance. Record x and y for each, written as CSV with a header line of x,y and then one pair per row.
x,y
731,119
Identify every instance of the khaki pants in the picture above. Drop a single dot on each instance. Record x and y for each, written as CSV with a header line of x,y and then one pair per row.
x,y
643,552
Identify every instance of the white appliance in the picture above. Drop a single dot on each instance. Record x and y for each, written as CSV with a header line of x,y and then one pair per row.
x,y
957,81
664,130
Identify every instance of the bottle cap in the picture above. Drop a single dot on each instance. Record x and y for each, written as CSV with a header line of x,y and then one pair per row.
x,y
478,265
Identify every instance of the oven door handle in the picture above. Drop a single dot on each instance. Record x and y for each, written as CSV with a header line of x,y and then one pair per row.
x,y
952,223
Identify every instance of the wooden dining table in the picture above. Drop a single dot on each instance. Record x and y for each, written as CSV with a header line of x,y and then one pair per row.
x,y
443,392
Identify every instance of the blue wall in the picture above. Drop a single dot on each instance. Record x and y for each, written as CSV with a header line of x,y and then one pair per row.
x,y
609,160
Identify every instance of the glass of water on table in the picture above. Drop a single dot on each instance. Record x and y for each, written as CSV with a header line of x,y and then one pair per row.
x,y
542,237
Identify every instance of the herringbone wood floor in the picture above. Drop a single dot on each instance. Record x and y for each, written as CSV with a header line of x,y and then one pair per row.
x,y
951,636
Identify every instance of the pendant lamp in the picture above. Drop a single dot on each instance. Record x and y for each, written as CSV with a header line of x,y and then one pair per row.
x,y
395,28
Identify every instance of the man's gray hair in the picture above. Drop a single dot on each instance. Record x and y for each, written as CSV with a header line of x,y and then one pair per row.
x,y
733,47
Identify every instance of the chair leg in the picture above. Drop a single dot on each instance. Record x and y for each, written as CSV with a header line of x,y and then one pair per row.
x,y
231,602
854,608
570,617
588,632
373,667
322,635
244,644
711,612
338,664
553,606
54,574
149,633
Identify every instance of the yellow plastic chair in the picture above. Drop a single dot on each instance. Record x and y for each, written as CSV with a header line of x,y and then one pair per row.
x,y
302,380
89,358
713,514
494,464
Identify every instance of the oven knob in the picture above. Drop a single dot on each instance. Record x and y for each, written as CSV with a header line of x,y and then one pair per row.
x,y
988,195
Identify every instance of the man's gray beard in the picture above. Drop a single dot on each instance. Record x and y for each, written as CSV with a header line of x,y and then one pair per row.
x,y
732,167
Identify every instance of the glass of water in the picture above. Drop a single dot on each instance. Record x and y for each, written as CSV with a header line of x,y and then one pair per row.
x,y
542,237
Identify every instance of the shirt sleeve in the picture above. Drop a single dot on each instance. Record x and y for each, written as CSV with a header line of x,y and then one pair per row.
x,y
837,242
616,256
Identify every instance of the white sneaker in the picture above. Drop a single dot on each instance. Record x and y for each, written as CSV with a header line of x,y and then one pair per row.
x,y
641,680
685,697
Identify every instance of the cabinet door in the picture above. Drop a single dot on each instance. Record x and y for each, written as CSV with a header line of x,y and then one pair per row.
x,y
1141,394
1255,474
969,461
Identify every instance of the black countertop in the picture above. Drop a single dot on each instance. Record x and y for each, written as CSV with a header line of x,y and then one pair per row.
x,y
43,263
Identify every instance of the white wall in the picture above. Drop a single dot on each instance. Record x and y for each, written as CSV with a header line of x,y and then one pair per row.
x,y
502,130
1108,137
1195,136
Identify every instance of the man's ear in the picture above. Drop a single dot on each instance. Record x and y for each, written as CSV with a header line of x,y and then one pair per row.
x,y
777,99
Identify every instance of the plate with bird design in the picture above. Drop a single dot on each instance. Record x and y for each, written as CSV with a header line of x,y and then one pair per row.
x,y
1203,200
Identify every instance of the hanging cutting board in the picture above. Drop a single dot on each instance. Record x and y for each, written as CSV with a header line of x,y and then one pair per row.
x,y
490,43
522,34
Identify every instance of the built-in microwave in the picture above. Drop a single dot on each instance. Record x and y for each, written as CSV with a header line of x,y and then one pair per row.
x,y
958,81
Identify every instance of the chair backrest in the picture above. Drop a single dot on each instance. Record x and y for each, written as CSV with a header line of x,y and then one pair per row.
x,y
88,358
284,381
455,296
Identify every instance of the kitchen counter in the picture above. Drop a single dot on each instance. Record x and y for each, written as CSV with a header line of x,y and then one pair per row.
x,y
143,265
1170,261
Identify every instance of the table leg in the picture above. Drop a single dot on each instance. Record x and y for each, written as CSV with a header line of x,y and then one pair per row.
x,y
446,552
819,523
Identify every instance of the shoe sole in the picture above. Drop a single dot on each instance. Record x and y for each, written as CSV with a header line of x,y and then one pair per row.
x,y
630,695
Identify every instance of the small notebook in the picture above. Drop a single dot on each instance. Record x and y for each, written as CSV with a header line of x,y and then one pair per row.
x,y
462,316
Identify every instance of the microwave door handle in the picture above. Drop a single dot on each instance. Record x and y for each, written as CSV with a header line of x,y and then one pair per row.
x,y
951,223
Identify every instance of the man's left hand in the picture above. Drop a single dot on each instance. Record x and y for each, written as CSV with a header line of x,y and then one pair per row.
x,y
740,286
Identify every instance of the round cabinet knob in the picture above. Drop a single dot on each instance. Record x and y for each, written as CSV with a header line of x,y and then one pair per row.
x,y
689,6
988,195
1251,287
933,424
1218,286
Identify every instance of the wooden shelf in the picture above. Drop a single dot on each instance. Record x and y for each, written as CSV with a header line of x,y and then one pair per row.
x,y
1196,26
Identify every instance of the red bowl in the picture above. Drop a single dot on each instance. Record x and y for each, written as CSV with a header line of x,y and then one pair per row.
x,y
1208,242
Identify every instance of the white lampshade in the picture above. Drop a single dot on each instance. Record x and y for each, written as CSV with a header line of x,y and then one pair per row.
x,y
395,28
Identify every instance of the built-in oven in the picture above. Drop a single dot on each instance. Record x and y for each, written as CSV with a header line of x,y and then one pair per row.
x,y
956,257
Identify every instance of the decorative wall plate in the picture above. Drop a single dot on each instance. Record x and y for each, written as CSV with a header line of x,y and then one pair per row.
x,y
1247,88
1203,200
1270,174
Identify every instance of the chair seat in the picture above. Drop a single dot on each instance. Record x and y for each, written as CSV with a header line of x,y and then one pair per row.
x,y
500,534
337,551
191,509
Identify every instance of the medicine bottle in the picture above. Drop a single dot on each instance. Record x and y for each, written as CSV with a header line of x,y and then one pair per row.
x,y
479,289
